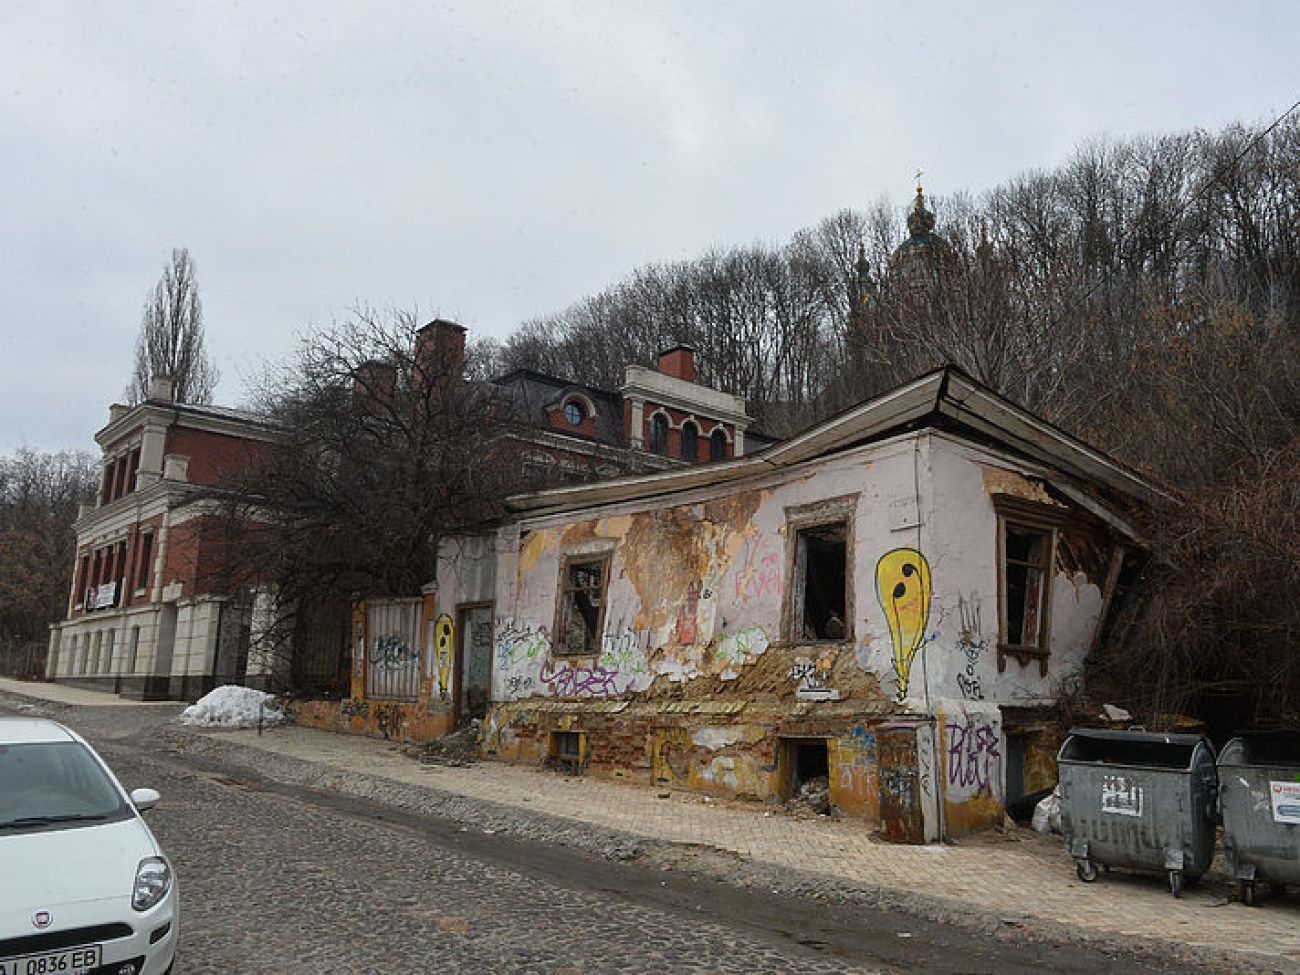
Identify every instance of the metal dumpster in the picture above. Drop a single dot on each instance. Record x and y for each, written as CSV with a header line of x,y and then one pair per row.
x,y
1138,799
1259,798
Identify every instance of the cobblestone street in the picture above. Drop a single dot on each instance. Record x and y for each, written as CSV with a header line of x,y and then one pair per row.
x,y
301,849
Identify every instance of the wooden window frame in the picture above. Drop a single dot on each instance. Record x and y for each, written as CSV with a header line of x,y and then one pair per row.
x,y
809,518
1045,520
560,646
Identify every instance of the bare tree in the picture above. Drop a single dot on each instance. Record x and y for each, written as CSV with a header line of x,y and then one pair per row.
x,y
40,495
386,447
170,343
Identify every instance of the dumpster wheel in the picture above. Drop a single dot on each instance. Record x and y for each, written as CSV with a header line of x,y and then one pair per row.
x,y
1248,893
1176,882
1086,869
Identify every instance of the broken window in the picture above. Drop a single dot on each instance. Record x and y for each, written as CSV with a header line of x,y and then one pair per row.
x,y
820,592
1026,584
582,603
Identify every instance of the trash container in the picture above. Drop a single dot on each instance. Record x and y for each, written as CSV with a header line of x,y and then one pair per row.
x,y
1140,800
1259,799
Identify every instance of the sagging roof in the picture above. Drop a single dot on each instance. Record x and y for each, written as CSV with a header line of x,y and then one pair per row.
x,y
947,398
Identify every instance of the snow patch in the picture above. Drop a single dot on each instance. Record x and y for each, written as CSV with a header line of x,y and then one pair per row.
x,y
233,707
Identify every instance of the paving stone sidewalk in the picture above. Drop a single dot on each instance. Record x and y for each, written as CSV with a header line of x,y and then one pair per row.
x,y
1019,876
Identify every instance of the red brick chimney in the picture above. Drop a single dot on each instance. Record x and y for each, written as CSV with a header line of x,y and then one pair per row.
x,y
440,350
679,362
374,381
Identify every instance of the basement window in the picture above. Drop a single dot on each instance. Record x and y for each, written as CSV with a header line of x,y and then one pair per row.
x,y
819,611
582,605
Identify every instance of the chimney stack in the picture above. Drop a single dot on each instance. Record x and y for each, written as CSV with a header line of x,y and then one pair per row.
x,y
440,350
161,389
679,362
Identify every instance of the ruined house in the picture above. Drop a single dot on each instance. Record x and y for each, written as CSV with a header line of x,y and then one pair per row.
x,y
891,600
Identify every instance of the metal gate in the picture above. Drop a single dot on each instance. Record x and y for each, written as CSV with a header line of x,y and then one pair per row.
x,y
393,649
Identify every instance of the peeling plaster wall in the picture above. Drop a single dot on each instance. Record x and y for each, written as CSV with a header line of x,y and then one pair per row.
x,y
961,542
697,588
696,618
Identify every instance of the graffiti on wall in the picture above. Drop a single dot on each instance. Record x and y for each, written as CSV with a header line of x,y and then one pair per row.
x,y
686,632
624,650
903,589
974,757
813,677
388,717
855,762
971,647
735,650
442,645
392,653
758,570
576,680
518,643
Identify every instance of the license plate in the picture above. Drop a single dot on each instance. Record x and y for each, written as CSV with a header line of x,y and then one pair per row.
x,y
70,961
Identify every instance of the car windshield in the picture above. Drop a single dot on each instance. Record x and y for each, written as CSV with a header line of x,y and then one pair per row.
x,y
55,785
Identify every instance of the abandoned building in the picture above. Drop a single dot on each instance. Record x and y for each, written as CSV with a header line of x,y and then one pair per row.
x,y
890,600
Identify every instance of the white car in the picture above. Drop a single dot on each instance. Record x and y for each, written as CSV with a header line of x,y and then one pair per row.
x,y
84,887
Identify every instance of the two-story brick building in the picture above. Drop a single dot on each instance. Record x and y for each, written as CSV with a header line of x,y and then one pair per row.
x,y
148,615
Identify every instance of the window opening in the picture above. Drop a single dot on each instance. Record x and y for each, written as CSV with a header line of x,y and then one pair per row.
x,y
566,748
535,476
690,443
574,413
659,434
582,601
718,445
807,776
1025,568
146,561
821,577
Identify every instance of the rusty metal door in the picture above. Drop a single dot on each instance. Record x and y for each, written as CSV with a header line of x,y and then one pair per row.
x,y
902,819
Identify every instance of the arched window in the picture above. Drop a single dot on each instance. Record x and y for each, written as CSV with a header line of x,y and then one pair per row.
x,y
718,445
659,434
574,413
690,443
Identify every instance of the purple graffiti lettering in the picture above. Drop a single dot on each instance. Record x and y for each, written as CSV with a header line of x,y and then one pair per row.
x,y
573,680
974,758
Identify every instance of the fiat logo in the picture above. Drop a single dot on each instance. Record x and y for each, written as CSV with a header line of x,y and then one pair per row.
x,y
42,919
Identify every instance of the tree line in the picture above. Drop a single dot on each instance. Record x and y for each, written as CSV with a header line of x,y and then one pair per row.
x,y
1143,296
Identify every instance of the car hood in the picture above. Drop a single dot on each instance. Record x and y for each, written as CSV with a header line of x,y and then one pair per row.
x,y
63,866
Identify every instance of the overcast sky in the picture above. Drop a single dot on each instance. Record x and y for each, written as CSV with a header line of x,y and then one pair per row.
x,y
494,162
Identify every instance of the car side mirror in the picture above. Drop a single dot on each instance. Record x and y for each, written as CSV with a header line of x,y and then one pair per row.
x,y
144,799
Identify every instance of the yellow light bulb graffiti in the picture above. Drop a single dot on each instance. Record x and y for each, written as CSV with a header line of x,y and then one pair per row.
x,y
903,588
444,648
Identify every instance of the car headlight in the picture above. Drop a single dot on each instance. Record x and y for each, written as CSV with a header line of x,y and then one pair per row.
x,y
153,878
